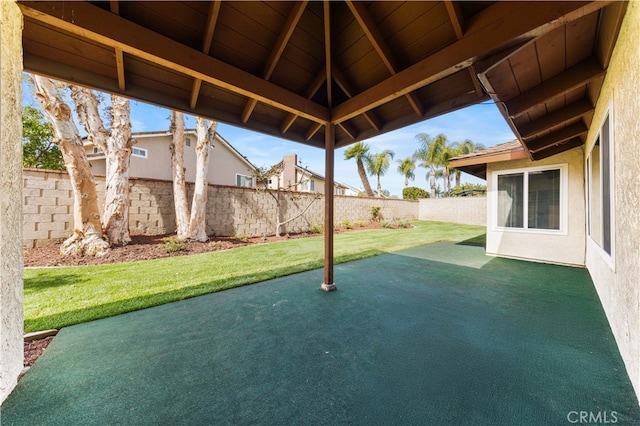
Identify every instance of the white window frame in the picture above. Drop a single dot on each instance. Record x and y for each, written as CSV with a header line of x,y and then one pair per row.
x,y
564,200
143,152
247,177
609,258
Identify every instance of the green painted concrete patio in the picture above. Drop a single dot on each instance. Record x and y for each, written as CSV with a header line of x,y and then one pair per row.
x,y
440,334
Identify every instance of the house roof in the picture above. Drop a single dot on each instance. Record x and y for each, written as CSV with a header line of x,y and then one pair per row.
x,y
475,163
290,69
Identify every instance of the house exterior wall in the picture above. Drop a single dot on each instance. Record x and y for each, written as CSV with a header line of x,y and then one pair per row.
x,y
465,210
232,210
564,248
11,294
617,280
224,164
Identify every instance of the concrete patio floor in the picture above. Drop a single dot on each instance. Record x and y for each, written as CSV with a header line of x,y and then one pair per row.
x,y
440,334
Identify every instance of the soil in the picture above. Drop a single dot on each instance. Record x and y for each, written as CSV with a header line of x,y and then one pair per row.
x,y
142,248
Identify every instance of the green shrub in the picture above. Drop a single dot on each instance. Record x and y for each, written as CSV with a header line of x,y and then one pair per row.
x,y
414,193
360,223
172,244
347,223
376,214
387,224
317,228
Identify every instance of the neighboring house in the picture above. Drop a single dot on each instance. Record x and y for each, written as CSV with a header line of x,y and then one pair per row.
x,y
580,204
151,158
293,177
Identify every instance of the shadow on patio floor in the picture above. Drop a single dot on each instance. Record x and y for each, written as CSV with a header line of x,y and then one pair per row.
x,y
439,334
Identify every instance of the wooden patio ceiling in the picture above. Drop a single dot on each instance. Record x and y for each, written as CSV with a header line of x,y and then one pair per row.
x,y
289,68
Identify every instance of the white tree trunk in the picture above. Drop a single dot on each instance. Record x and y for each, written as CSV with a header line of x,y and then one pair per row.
x,y
177,167
87,235
116,146
198,223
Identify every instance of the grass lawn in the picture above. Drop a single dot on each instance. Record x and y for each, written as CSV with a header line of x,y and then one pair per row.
x,y
57,297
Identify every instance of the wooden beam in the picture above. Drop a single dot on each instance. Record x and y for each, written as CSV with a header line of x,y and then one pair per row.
x,y
312,89
347,89
329,169
556,118
556,149
95,24
558,137
379,43
311,131
497,25
574,77
456,18
608,29
276,53
207,39
248,109
120,68
114,6
283,39
351,133
327,47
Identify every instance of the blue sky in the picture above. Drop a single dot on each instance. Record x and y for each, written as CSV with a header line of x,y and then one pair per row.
x,y
480,123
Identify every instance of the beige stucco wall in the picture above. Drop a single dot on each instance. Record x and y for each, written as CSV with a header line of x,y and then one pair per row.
x,y
619,285
465,210
565,248
11,313
223,163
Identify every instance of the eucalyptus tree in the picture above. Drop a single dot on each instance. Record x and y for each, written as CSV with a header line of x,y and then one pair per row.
x,y
87,237
206,133
378,164
429,155
406,168
360,151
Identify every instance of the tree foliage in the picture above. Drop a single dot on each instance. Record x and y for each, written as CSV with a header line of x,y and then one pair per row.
x,y
414,193
406,168
378,164
38,147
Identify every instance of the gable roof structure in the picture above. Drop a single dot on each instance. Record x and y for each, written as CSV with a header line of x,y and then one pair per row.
x,y
475,163
332,73
289,68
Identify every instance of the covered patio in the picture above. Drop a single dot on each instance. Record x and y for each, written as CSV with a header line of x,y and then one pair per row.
x,y
439,334
329,74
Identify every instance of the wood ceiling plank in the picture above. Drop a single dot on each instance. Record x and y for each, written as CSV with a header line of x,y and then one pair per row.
x,y
376,38
207,39
610,22
551,49
91,22
312,89
348,90
456,18
524,66
496,25
574,77
276,52
559,117
581,36
556,149
563,135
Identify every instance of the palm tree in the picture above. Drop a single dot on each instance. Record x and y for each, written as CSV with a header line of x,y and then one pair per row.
x,y
378,164
430,155
360,151
406,168
463,148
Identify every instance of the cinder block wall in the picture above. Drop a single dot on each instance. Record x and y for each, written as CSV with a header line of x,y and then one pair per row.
x,y
465,210
48,208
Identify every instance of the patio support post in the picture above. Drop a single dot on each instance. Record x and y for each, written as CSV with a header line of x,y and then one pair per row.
x,y
11,310
329,146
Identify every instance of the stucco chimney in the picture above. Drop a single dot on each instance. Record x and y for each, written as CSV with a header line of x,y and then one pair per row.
x,y
289,171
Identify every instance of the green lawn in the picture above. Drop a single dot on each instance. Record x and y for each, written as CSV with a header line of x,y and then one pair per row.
x,y
57,297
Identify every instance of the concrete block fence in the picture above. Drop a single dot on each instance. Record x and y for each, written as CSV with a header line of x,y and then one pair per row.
x,y
464,210
48,208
